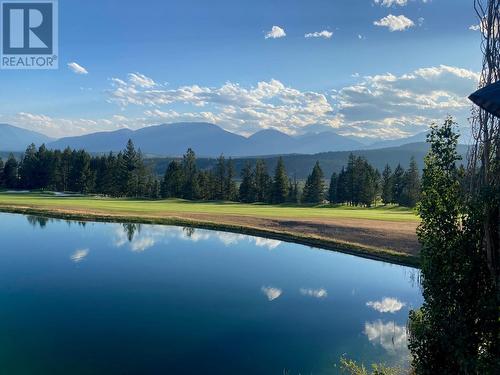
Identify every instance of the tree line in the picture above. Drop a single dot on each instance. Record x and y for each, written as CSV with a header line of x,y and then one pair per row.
x,y
120,175
126,175
359,184
183,179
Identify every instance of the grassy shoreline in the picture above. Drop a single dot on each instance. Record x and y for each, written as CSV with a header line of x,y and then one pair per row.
x,y
93,209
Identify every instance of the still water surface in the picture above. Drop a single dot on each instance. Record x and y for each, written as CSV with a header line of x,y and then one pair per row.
x,y
99,298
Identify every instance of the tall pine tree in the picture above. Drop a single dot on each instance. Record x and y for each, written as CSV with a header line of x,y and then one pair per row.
x,y
10,172
398,185
280,183
332,190
314,190
173,181
411,186
247,186
2,181
231,192
220,179
191,188
263,182
387,185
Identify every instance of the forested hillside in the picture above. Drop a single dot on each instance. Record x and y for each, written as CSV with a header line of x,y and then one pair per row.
x,y
299,166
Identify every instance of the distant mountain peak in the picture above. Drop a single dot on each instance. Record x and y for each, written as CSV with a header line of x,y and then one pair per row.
x,y
269,132
318,128
13,138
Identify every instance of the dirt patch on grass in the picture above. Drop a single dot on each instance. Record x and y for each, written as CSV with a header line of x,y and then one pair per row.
x,y
396,236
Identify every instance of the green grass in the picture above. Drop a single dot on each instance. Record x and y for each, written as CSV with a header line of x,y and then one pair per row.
x,y
144,207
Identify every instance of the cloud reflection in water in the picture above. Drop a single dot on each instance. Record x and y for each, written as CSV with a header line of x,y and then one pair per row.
x,y
143,237
271,292
390,336
386,305
316,293
79,255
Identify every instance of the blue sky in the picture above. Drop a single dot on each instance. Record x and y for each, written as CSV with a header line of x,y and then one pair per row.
x,y
375,68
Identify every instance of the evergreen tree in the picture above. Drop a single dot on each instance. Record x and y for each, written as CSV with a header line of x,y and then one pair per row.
x,y
109,175
129,179
28,168
191,189
56,180
82,176
230,190
155,194
398,185
411,186
262,182
342,189
205,182
387,185
352,181
333,189
65,169
2,180
358,184
314,190
173,181
152,187
280,183
10,172
142,177
293,191
247,186
45,168
370,185
220,178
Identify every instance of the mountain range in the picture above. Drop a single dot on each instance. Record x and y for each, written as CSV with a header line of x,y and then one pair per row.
x,y
207,140
14,139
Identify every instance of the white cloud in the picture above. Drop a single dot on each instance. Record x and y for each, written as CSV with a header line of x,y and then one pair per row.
x,y
271,293
386,305
141,80
76,68
382,106
390,336
389,3
269,104
474,27
395,23
320,34
79,255
316,293
275,33
388,105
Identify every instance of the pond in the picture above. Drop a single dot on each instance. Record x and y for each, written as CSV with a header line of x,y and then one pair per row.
x,y
87,298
